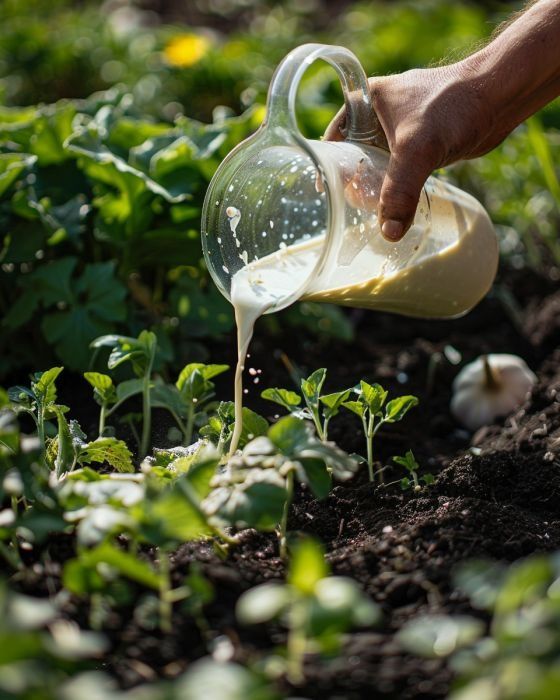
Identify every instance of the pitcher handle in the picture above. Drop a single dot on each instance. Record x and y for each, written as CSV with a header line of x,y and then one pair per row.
x,y
362,123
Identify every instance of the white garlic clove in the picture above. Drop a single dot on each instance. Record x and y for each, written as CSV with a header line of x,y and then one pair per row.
x,y
492,386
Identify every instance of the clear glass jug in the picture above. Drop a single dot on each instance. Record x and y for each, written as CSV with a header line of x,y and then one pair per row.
x,y
290,218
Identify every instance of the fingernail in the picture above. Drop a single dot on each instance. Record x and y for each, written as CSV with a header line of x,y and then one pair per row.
x,y
392,230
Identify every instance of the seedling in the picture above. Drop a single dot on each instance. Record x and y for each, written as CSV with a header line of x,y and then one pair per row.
x,y
315,608
413,480
369,408
70,447
186,400
141,353
219,428
311,391
39,400
256,487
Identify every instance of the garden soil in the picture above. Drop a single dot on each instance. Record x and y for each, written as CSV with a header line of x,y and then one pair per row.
x,y
497,495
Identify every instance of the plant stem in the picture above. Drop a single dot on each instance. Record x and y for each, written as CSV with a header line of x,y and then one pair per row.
x,y
41,428
102,419
146,414
368,430
189,427
296,644
165,603
373,431
284,521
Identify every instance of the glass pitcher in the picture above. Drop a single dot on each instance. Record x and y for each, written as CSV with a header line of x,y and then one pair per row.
x,y
296,218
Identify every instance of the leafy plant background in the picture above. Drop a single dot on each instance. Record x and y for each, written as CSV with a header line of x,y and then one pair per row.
x,y
114,117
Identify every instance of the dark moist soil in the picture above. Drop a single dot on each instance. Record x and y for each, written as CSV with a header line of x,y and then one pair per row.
x,y
497,495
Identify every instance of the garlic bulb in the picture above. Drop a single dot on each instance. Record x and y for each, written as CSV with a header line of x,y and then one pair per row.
x,y
490,387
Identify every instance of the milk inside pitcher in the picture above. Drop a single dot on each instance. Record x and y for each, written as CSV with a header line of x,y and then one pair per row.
x,y
289,218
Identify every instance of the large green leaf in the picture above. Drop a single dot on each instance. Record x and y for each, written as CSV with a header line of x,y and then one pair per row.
x,y
12,165
88,305
87,143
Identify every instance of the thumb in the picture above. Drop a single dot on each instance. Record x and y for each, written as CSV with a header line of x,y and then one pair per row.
x,y
400,193
335,131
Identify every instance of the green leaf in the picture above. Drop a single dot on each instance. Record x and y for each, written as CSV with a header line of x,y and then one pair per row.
x,y
258,501
167,396
220,425
104,389
107,165
107,450
398,408
214,680
44,384
194,380
287,399
65,454
253,426
128,388
373,395
12,165
312,386
524,584
408,461
90,305
437,636
202,470
357,407
290,435
124,563
317,476
333,402
262,603
139,351
171,515
308,566
51,129
480,580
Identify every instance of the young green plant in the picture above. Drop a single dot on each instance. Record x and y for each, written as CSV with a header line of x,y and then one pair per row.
x,y
369,408
315,608
320,408
256,487
412,481
141,353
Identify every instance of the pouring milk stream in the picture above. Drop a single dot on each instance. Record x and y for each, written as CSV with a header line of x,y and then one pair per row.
x,y
286,218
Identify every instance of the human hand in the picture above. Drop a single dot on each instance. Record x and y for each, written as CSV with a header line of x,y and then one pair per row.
x,y
431,118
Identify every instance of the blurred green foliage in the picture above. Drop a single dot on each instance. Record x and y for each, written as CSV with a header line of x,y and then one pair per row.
x,y
100,195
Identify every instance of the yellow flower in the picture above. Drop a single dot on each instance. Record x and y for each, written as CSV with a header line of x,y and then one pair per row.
x,y
186,50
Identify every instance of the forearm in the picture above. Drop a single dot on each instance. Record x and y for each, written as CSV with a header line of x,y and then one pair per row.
x,y
518,72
